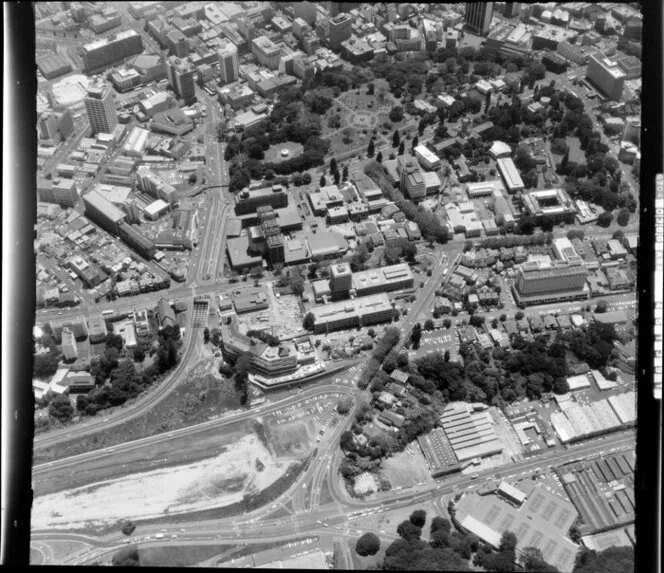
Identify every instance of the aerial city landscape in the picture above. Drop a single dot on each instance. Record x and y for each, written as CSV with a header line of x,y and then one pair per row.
x,y
337,285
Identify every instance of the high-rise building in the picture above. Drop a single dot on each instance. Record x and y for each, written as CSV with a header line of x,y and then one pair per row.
x,y
114,48
65,121
411,179
340,28
275,249
101,108
511,9
478,16
181,75
48,127
228,63
306,11
606,75
69,349
341,280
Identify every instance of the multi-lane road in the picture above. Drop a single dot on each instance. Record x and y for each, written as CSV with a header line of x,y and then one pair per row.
x,y
263,525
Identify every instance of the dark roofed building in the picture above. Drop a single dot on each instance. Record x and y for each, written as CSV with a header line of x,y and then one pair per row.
x,y
391,419
165,314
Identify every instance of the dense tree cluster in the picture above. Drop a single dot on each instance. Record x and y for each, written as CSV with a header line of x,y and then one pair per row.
x,y
430,226
287,122
594,344
127,557
402,76
44,365
611,560
445,551
403,248
264,336
60,408
117,379
531,369
367,544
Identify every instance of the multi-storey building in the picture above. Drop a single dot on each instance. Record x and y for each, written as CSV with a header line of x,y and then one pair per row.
x,y
478,16
152,184
306,11
263,358
177,43
69,349
228,63
101,109
65,192
250,201
116,47
411,179
48,127
103,212
181,75
352,313
335,30
559,281
512,9
632,131
607,76
266,51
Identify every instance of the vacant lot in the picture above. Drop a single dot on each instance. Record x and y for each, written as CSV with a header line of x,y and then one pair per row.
x,y
291,440
244,466
407,469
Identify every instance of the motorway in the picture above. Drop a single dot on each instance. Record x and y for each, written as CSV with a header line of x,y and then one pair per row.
x,y
331,517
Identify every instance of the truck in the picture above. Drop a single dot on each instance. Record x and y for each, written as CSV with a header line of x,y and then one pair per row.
x,y
159,536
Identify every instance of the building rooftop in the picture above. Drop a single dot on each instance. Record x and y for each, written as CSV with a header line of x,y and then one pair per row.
x,y
542,521
326,243
382,276
96,201
349,308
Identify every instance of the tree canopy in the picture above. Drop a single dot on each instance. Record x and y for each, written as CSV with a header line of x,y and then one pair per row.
x,y
368,544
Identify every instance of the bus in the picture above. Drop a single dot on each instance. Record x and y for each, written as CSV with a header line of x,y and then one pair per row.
x,y
108,313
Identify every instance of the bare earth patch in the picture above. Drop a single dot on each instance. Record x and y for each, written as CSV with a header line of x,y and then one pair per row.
x,y
209,483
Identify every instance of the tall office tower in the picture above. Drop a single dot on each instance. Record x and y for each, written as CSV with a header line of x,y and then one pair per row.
x,y
341,280
228,63
48,126
333,8
101,109
340,28
606,75
181,77
478,16
65,121
69,349
511,9
306,11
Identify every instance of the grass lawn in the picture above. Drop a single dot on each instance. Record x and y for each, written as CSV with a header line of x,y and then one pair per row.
x,y
176,555
576,154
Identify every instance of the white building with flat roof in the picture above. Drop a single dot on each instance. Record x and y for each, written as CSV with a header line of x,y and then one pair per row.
x,y
427,158
510,175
